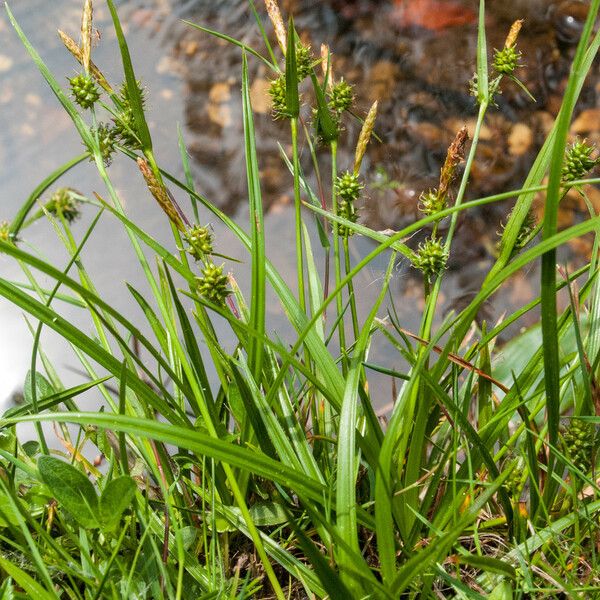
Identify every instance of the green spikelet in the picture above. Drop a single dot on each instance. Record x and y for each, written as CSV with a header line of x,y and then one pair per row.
x,y
64,202
348,186
430,258
304,60
578,161
578,443
5,231
516,480
278,101
213,284
341,97
431,202
348,189
200,240
84,91
106,140
125,128
506,61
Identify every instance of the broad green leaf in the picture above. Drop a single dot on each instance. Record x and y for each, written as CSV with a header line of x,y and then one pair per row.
x,y
8,515
71,488
114,500
503,591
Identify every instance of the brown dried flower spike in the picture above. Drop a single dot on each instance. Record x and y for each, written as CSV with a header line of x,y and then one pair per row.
x,y
455,155
160,193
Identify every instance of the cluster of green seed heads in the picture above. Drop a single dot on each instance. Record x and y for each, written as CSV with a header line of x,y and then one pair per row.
x,y
430,258
277,87
64,203
578,161
341,97
304,60
347,188
506,61
125,128
526,232
200,240
278,99
432,202
84,91
107,138
578,441
212,285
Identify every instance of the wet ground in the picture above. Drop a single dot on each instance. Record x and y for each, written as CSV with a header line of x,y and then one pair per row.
x,y
416,57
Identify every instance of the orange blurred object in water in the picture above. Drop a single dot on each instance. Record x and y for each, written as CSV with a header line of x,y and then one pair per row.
x,y
435,15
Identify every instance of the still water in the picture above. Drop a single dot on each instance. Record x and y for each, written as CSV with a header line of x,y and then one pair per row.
x,y
416,66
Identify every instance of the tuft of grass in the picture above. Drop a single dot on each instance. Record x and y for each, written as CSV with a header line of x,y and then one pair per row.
x,y
263,470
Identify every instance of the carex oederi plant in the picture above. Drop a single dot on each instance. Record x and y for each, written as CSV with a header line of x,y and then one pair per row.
x,y
276,477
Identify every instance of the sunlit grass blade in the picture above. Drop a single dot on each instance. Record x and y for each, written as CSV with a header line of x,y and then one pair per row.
x,y
133,91
257,306
195,441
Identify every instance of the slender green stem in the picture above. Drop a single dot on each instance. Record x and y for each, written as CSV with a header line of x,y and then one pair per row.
x,y
298,214
337,259
352,297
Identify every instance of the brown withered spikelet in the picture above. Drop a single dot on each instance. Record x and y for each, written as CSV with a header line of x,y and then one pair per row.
x,y
160,193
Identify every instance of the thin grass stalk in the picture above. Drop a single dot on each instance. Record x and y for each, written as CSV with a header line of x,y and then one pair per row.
x,y
337,260
298,215
548,272
351,295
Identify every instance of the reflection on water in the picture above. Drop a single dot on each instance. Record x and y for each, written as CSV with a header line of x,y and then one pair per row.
x,y
418,68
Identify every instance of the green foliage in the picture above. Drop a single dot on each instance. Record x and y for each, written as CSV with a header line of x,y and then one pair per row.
x,y
260,468
71,488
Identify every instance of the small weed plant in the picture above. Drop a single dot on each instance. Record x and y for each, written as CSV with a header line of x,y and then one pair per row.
x,y
276,478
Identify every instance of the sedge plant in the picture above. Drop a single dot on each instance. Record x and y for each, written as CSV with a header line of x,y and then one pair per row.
x,y
264,470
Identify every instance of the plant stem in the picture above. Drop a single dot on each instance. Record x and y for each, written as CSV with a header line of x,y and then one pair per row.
x,y
337,261
298,213
348,268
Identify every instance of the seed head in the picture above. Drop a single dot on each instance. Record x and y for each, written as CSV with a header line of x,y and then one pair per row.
x,y
161,194
578,441
200,240
431,202
84,91
513,34
348,186
106,140
341,97
365,136
578,161
276,20
75,50
506,61
64,202
346,210
278,99
430,258
5,231
304,60
213,284
125,127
